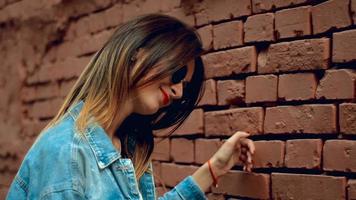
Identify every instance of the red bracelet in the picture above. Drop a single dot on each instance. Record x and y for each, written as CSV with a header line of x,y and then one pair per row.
x,y
215,179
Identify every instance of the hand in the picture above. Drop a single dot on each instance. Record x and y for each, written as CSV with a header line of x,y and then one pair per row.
x,y
236,148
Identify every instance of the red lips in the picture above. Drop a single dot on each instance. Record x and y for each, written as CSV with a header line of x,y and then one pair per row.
x,y
165,97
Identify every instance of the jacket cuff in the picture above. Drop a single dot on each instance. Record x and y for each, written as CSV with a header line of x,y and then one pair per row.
x,y
189,189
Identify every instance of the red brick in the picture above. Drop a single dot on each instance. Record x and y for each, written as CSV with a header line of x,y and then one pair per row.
x,y
309,54
259,28
65,87
156,168
78,29
161,149
251,185
113,15
300,86
343,46
347,118
213,11
293,22
351,189
91,44
303,153
167,5
259,6
337,84
70,68
45,109
40,92
269,154
231,92
301,119
33,128
235,61
227,122
172,174
206,34
183,15
330,14
212,196
205,149
339,155
302,186
194,124
261,88
97,22
353,10
209,96
228,34
182,150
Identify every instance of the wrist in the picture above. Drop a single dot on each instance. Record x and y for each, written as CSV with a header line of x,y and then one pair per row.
x,y
217,168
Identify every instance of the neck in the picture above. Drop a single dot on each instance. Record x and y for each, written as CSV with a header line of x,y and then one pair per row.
x,y
126,110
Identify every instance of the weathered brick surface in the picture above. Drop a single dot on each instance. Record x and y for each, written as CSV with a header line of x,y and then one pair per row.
x,y
351,189
294,22
230,92
238,183
339,155
300,186
161,149
301,119
261,88
209,96
337,84
343,43
299,86
232,120
179,171
267,5
347,118
259,28
206,34
330,14
182,150
303,153
194,124
310,54
228,34
353,10
269,154
205,149
235,61
212,11
156,167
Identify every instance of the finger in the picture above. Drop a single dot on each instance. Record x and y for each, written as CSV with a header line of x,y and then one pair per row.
x,y
249,157
249,143
243,149
243,157
237,136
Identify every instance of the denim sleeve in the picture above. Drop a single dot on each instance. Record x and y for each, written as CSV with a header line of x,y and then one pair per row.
x,y
185,190
17,190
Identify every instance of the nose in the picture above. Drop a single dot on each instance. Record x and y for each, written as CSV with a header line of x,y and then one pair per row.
x,y
177,90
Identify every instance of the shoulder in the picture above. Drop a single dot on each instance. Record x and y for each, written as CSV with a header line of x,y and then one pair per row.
x,y
51,164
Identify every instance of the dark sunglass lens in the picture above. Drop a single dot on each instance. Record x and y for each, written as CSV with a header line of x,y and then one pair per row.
x,y
179,75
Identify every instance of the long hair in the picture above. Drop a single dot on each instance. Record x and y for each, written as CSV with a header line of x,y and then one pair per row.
x,y
113,72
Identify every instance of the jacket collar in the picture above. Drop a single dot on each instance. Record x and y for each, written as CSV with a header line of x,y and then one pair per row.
x,y
99,141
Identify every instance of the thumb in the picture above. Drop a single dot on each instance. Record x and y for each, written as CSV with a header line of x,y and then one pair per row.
x,y
237,136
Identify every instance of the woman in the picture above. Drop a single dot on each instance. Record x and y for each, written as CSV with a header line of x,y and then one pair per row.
x,y
147,76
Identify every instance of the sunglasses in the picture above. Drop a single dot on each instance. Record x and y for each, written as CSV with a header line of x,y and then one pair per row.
x,y
179,75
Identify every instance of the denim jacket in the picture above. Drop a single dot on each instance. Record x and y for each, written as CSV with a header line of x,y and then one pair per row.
x,y
63,164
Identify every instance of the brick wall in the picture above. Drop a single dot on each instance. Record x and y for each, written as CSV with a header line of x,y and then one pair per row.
x,y
281,70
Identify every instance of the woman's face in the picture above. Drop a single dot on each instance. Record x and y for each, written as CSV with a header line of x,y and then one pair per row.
x,y
149,99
